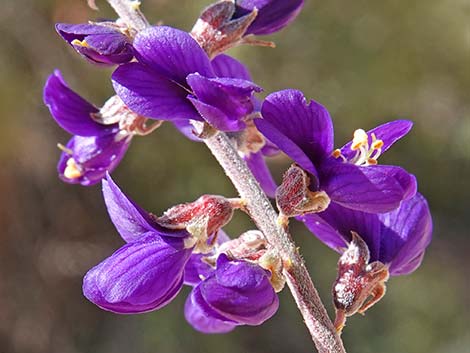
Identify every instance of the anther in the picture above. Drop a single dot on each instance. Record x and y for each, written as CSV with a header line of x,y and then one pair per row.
x,y
377,144
72,171
360,139
80,43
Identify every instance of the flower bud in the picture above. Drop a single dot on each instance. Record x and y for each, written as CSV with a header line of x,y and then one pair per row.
x,y
104,43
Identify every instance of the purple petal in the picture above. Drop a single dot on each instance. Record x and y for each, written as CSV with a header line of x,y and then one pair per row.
x,y
304,131
389,133
130,220
273,15
93,156
232,97
186,128
139,277
215,117
260,170
398,238
406,233
150,94
226,66
104,44
196,270
201,317
334,225
374,189
172,53
70,111
239,291
270,149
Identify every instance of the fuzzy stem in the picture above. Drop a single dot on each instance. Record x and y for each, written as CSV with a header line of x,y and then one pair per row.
x,y
129,12
259,207
261,211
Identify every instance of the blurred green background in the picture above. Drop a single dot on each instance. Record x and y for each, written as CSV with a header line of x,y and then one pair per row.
x,y
367,61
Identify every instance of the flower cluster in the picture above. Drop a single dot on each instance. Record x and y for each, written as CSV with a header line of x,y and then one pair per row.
x,y
371,214
161,255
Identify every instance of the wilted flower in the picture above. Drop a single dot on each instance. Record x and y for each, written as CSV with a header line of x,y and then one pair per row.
x,y
349,176
105,43
174,80
373,246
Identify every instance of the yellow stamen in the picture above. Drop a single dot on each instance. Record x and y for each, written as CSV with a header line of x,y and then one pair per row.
x,y
72,171
360,139
371,161
377,144
81,43
336,153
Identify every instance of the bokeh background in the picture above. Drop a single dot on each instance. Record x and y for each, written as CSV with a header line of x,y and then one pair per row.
x,y
367,61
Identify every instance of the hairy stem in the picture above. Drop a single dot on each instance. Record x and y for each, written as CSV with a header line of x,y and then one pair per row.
x,y
129,12
261,211
259,207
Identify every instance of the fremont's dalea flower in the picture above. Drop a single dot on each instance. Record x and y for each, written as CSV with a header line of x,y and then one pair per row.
x,y
229,23
373,246
147,272
102,136
105,43
175,80
348,176
236,292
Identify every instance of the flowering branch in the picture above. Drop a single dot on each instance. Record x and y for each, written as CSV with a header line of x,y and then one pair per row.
x,y
260,209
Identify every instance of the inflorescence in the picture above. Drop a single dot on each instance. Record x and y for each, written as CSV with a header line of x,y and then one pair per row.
x,y
370,213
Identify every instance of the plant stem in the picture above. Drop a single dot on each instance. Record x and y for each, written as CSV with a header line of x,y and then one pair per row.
x,y
259,207
129,12
261,211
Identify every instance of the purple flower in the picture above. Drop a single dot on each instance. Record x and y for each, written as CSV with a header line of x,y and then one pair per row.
x,y
273,15
349,176
96,148
397,238
104,43
175,80
236,293
373,247
102,136
147,272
